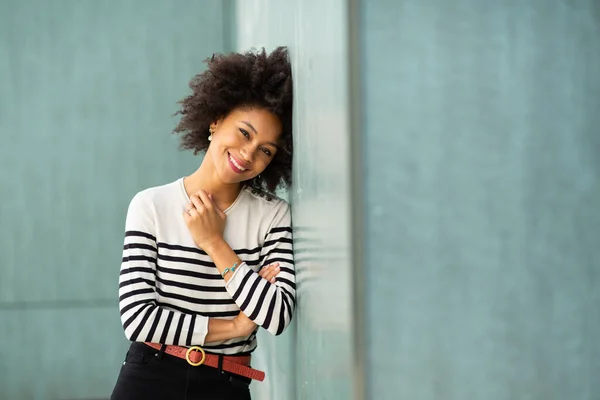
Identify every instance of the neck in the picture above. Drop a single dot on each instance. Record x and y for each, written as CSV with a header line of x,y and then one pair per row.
x,y
205,178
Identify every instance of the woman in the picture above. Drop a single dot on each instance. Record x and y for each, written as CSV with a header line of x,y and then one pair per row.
x,y
205,247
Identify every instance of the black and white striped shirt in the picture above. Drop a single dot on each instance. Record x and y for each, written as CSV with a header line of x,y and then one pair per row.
x,y
169,288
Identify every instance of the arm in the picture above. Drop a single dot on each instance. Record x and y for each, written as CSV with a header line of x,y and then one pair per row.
x,y
142,318
268,305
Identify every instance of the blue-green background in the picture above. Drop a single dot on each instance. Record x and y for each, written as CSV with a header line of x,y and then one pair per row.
x,y
447,159
482,198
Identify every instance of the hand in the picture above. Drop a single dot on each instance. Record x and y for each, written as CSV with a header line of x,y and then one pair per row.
x,y
270,271
244,326
205,220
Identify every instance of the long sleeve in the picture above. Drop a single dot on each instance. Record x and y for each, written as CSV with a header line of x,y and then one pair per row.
x,y
269,305
142,318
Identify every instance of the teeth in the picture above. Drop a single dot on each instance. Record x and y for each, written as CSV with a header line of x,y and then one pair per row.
x,y
236,164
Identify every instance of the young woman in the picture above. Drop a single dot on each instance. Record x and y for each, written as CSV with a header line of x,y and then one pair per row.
x,y
208,258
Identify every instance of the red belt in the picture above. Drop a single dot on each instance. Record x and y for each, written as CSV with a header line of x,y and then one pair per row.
x,y
196,356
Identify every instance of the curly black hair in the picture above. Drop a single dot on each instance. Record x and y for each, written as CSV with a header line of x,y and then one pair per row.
x,y
238,80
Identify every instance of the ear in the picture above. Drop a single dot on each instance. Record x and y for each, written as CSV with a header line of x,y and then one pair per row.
x,y
216,123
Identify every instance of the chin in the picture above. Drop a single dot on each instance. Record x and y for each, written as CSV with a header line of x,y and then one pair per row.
x,y
230,180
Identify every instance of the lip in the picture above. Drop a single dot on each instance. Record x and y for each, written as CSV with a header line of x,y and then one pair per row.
x,y
232,165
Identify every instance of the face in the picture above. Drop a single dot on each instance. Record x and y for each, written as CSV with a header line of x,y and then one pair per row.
x,y
243,144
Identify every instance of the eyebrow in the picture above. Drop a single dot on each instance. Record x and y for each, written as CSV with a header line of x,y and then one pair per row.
x,y
256,132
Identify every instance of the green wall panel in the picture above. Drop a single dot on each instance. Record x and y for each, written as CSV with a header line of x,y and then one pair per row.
x,y
482,163
87,93
69,353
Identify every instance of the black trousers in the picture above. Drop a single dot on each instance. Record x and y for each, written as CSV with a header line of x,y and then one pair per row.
x,y
149,374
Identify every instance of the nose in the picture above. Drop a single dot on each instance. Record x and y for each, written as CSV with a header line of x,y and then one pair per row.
x,y
247,154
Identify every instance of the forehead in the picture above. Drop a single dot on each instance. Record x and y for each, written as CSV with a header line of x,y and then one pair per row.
x,y
267,124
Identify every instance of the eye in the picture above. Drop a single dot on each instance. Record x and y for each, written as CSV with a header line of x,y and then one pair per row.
x,y
245,133
266,151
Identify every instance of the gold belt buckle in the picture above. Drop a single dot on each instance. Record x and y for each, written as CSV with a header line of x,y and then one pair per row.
x,y
189,351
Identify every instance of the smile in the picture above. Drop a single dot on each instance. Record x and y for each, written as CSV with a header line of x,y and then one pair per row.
x,y
235,165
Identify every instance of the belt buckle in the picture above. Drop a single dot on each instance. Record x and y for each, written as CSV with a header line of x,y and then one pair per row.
x,y
189,351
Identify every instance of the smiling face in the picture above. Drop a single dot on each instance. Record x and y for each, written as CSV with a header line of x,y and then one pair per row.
x,y
243,144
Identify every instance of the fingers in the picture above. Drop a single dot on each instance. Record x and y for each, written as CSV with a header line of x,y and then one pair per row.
x,y
197,203
190,209
269,272
201,202
190,213
206,201
221,213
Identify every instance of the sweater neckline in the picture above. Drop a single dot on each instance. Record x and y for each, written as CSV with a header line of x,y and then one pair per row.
x,y
226,211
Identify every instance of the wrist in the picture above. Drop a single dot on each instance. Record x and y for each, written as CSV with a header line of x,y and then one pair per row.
x,y
236,328
243,327
214,245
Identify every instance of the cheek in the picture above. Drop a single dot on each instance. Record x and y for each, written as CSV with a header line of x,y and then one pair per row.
x,y
226,140
224,146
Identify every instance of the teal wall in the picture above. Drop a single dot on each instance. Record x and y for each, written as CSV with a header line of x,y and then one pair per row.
x,y
319,363
87,89
482,169
456,143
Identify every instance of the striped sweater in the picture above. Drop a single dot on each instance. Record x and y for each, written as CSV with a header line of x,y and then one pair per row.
x,y
169,288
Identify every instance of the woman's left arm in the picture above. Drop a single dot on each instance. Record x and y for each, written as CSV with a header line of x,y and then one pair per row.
x,y
269,305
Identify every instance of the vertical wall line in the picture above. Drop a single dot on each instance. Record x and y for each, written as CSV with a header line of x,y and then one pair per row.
x,y
357,208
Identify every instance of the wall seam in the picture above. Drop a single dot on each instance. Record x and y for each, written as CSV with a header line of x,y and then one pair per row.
x,y
357,209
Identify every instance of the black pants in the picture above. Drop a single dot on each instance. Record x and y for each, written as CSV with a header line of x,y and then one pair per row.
x,y
149,374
